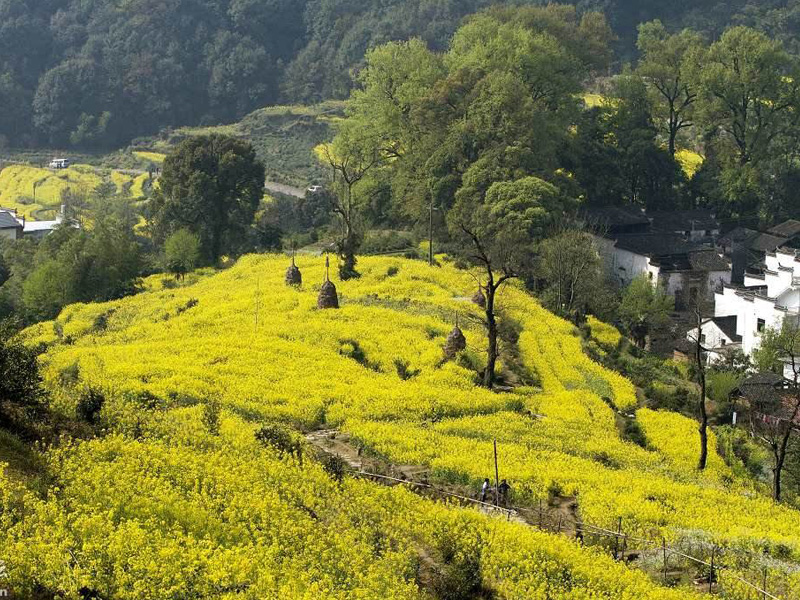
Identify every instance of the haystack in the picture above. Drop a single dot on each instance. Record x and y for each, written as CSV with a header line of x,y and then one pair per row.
x,y
456,342
328,296
479,298
293,275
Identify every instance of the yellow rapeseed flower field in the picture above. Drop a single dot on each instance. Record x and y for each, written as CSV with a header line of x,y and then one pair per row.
x,y
375,370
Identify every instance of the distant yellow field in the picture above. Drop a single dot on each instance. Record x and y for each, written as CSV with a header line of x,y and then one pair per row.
x,y
137,188
155,157
17,187
690,161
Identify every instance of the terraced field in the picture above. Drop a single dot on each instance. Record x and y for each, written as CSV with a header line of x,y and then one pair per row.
x,y
243,346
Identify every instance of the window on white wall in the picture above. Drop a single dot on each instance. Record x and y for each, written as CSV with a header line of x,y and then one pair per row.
x,y
761,325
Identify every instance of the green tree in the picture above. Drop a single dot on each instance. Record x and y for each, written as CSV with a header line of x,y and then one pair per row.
x,y
210,185
350,158
650,173
571,267
644,307
666,64
181,252
22,398
748,102
498,232
748,89
47,290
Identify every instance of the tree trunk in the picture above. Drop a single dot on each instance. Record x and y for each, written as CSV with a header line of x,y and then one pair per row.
x,y
216,244
491,325
673,132
348,247
777,473
780,458
703,438
701,369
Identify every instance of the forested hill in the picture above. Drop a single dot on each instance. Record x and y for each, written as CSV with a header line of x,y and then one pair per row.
x,y
100,72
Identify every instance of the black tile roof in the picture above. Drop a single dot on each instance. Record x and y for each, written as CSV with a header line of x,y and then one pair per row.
x,y
656,244
728,326
753,240
763,388
708,260
8,221
787,229
615,216
684,220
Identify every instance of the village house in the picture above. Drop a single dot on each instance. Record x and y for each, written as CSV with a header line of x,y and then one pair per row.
x,y
747,248
763,301
11,228
14,227
685,270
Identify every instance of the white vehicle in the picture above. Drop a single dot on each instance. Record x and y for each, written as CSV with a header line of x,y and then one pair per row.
x,y
315,189
59,163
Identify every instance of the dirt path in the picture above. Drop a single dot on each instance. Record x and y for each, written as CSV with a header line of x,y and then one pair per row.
x,y
560,515
341,445
416,476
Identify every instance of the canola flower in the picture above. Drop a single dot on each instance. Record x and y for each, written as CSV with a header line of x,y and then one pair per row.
x,y
604,334
181,513
153,157
17,184
374,369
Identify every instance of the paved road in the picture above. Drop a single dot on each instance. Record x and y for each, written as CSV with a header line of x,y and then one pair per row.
x,y
287,190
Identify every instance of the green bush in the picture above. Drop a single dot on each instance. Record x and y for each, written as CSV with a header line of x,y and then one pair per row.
x,y
89,405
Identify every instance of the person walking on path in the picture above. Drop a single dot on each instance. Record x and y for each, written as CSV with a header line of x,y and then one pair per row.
x,y
503,489
485,489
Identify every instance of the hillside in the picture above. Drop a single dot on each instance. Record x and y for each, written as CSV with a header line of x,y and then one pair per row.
x,y
100,74
283,136
176,481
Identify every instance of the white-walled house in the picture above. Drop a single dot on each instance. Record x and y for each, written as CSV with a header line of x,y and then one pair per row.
x,y
719,335
14,227
765,301
684,270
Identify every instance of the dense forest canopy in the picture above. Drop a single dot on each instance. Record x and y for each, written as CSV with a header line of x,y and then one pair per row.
x,y
100,72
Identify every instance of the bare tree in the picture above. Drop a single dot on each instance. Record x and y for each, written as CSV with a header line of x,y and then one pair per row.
x,y
775,405
349,160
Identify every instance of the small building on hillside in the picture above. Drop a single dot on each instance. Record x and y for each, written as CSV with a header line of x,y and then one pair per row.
x,y
39,229
14,227
718,335
684,269
11,227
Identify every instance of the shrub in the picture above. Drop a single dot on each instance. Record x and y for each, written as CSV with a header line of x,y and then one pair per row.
x,y
281,439
403,371
212,411
334,465
89,405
